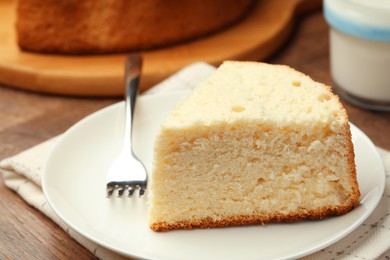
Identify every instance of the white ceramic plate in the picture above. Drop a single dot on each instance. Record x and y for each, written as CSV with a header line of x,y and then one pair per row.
x,y
74,184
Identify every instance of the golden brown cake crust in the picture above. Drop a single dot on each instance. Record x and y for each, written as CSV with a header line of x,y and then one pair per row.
x,y
355,193
82,27
254,219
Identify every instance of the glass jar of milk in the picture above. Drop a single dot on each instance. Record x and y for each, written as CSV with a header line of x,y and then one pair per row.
x,y
360,51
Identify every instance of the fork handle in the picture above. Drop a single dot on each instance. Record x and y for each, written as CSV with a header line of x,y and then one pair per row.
x,y
133,69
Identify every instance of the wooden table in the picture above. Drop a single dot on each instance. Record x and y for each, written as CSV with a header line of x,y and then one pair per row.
x,y
27,119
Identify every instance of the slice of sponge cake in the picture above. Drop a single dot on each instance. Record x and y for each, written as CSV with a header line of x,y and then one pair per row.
x,y
254,143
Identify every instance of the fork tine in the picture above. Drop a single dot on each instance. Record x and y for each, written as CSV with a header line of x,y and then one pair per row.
x,y
141,191
121,190
109,190
131,191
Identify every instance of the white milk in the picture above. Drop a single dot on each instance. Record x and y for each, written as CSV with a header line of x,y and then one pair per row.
x,y
360,50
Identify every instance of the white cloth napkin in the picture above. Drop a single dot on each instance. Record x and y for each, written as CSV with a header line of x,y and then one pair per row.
x,y
23,172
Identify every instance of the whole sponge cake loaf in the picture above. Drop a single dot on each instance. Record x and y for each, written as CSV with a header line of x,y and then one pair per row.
x,y
104,26
254,143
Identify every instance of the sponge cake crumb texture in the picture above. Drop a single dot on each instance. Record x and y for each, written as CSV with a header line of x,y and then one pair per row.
x,y
254,143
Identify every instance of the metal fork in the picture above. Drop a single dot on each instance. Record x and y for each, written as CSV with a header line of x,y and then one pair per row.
x,y
127,172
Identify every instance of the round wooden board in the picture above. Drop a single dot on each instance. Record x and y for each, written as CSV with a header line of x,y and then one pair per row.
x,y
253,38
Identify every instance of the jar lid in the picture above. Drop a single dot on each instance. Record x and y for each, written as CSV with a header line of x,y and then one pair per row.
x,y
361,18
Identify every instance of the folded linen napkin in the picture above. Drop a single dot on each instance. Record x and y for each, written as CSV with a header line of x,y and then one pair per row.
x,y
23,172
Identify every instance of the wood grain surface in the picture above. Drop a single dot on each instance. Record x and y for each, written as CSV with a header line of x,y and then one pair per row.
x,y
28,118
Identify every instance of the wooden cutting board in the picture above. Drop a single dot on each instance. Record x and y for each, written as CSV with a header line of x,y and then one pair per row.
x,y
254,38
